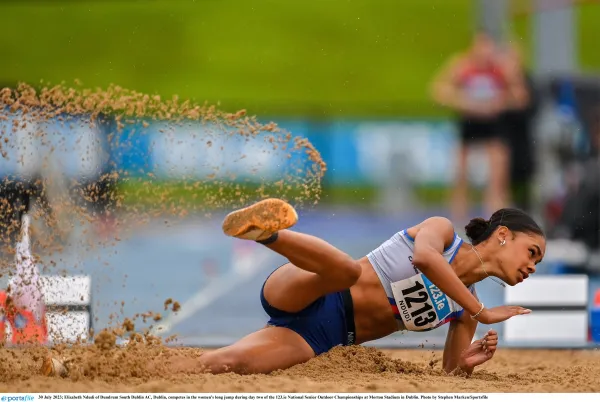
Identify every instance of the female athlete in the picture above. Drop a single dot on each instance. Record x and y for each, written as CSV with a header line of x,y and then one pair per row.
x,y
419,279
480,85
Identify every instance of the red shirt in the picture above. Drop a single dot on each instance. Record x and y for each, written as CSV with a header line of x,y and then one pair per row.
x,y
24,327
482,83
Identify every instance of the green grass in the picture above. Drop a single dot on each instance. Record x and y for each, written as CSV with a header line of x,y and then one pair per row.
x,y
206,196
521,34
322,58
588,16
273,57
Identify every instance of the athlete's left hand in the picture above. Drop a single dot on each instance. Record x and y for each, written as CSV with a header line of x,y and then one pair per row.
x,y
480,351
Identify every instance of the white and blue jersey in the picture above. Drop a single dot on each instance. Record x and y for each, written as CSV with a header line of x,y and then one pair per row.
x,y
417,303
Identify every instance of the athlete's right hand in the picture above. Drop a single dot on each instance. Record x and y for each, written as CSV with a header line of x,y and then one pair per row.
x,y
501,313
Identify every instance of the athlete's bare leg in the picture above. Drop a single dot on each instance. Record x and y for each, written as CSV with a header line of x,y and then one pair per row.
x,y
497,194
315,269
261,352
460,193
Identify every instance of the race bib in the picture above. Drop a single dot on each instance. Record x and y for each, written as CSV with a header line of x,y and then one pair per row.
x,y
421,304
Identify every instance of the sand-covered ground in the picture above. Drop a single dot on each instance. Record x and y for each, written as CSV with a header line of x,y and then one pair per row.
x,y
354,369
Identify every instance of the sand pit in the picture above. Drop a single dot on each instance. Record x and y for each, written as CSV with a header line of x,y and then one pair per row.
x,y
354,369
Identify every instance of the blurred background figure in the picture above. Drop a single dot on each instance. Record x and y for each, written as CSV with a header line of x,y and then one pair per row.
x,y
479,85
516,123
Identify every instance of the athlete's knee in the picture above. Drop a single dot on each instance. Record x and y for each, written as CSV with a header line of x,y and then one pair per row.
x,y
349,271
225,361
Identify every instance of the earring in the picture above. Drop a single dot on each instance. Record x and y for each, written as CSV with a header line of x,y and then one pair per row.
x,y
503,242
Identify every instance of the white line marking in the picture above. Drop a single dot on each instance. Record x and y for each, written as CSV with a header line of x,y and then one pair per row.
x,y
243,268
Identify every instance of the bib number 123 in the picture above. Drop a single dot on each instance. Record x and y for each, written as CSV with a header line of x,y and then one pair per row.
x,y
420,303
416,299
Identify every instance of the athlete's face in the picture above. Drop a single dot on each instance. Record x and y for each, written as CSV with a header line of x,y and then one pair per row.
x,y
518,256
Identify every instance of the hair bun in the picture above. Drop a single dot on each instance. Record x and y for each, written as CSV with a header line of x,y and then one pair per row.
x,y
476,228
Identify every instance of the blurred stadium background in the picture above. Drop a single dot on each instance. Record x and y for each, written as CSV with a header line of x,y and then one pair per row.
x,y
351,76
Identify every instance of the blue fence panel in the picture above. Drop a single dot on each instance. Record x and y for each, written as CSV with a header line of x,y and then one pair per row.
x,y
356,152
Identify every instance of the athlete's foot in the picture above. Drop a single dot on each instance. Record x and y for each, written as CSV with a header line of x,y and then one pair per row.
x,y
260,221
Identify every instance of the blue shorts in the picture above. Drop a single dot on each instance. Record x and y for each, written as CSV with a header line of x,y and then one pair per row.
x,y
324,324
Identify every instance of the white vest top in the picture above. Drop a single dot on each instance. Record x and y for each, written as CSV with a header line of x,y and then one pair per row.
x,y
417,303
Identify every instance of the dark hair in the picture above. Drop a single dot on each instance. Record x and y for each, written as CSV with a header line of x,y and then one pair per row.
x,y
479,230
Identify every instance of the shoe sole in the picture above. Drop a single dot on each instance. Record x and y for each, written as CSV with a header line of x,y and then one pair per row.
x,y
266,216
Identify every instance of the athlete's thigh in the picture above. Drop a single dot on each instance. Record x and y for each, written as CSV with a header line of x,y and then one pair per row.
x,y
291,289
264,351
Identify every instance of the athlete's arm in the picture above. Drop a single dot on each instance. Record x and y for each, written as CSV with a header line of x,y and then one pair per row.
x,y
517,90
446,91
432,236
460,353
443,88
459,338
434,233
